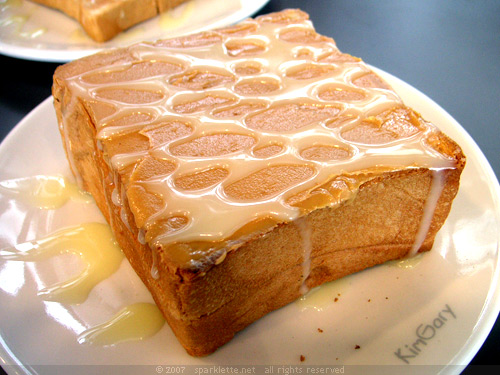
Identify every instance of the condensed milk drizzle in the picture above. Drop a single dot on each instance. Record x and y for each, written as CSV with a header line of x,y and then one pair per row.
x,y
305,235
275,84
437,185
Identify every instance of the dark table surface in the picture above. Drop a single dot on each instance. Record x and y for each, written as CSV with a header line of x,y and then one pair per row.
x,y
448,49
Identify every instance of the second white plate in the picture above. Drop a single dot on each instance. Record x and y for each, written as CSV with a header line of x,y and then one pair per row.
x,y
34,32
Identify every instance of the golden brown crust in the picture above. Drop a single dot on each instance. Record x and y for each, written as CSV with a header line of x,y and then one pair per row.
x,y
206,302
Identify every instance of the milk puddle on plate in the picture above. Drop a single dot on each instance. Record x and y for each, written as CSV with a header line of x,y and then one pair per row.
x,y
97,249
44,192
407,263
133,322
176,17
14,20
92,242
325,295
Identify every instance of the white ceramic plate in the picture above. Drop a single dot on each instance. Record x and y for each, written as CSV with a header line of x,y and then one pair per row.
x,y
34,32
450,298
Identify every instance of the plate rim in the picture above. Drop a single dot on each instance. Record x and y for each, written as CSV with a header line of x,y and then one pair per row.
x,y
491,308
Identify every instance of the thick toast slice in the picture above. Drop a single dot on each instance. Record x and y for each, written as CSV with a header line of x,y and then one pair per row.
x,y
240,167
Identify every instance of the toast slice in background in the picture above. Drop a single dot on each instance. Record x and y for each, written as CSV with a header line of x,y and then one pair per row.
x,y
102,20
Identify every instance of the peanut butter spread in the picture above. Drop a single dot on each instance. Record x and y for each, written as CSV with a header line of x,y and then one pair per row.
x,y
223,134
